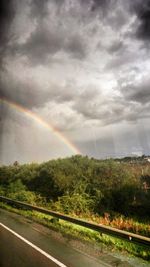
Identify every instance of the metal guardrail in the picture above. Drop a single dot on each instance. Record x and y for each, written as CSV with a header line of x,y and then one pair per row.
x,y
127,236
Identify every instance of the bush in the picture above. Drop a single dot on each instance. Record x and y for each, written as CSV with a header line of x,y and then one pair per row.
x,y
75,203
24,196
2,191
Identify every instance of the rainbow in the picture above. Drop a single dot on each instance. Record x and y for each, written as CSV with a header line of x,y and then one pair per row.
x,y
42,122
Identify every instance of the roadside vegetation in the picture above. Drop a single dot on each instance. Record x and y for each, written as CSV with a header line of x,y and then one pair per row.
x,y
109,192
71,231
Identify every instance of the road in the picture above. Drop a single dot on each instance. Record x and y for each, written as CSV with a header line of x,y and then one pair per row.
x,y
24,243
17,251
27,244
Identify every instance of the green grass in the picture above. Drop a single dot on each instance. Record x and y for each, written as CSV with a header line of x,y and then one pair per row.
x,y
82,233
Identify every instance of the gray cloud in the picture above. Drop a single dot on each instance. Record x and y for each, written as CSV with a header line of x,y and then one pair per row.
x,y
41,44
142,9
114,109
76,46
101,4
93,106
139,93
7,13
25,93
30,94
118,61
45,42
39,9
67,34
116,47
76,64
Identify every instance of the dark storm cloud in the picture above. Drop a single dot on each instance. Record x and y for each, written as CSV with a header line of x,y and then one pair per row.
x,y
67,34
142,10
44,43
40,44
7,12
61,35
6,16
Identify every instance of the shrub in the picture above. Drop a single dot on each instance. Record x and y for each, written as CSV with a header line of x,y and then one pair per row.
x,y
75,203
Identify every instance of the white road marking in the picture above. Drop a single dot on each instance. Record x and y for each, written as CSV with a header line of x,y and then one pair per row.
x,y
34,246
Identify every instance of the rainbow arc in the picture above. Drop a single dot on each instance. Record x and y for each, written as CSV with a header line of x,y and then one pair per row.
x,y
42,122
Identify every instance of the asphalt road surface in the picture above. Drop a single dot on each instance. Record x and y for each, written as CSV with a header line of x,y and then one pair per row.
x,y
24,243
27,244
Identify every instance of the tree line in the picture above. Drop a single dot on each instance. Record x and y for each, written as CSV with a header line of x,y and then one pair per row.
x,y
80,185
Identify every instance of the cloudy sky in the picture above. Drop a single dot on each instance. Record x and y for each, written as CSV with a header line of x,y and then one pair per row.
x,y
83,67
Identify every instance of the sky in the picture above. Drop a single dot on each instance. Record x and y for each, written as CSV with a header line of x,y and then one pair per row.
x,y
80,66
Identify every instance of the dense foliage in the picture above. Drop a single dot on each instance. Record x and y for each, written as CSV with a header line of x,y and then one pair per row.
x,y
81,185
